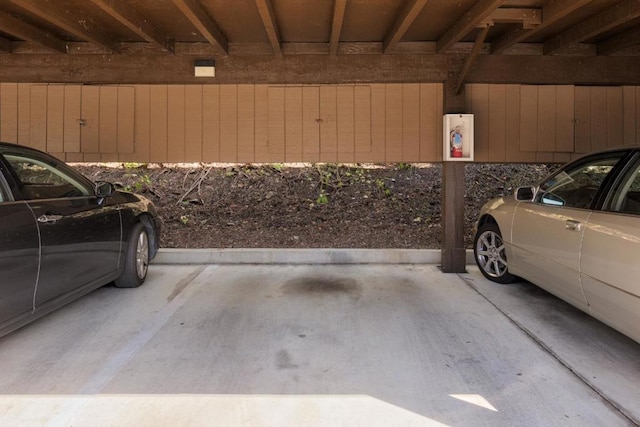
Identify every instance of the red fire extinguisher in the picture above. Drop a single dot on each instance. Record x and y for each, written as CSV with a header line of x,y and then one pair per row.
x,y
456,142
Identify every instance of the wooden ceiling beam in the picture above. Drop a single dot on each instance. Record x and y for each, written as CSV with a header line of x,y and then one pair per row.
x,y
616,15
620,42
195,13
22,30
470,20
336,27
469,61
134,21
402,24
528,17
5,44
63,18
551,13
265,8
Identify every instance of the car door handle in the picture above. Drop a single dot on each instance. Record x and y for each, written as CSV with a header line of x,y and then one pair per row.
x,y
49,218
573,225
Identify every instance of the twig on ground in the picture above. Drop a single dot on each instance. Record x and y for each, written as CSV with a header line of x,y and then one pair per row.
x,y
196,185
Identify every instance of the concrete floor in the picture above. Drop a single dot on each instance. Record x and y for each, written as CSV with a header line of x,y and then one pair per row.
x,y
348,345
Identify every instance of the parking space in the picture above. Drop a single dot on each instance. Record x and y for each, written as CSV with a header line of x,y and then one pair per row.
x,y
318,345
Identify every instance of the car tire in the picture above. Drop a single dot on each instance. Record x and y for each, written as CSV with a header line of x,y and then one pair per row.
x,y
136,259
490,255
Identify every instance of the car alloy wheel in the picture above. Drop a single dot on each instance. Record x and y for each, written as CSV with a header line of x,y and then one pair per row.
x,y
490,254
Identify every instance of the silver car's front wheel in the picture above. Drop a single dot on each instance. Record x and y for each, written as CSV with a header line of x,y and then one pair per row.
x,y
490,254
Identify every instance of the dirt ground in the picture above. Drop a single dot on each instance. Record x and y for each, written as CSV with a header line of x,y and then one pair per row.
x,y
308,206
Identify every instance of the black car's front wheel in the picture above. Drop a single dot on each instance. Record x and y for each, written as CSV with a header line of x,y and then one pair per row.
x,y
136,262
490,254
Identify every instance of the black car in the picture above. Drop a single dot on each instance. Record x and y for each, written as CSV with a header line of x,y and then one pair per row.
x,y
62,236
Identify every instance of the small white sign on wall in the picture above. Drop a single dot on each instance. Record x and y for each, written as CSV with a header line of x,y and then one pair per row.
x,y
458,137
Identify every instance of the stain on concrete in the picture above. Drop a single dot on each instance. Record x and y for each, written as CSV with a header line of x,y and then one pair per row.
x,y
283,360
323,286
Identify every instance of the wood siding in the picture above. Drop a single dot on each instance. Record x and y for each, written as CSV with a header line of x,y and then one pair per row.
x,y
384,122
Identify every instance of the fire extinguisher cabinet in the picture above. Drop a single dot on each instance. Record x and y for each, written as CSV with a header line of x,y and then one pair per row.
x,y
458,137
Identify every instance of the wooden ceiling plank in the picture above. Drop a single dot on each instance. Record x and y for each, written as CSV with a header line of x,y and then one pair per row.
x,y
620,42
472,57
616,15
336,27
402,24
134,21
551,13
194,11
470,20
59,17
265,8
20,29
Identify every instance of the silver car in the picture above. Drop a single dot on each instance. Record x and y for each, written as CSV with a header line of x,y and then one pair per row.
x,y
577,235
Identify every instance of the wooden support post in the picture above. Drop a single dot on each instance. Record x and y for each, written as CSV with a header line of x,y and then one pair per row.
x,y
453,250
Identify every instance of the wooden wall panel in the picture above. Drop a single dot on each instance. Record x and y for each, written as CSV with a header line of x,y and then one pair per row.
x,y
497,131
328,124
393,121
599,118
362,121
565,119
547,114
211,123
276,122
142,128
410,122
71,116
228,123
9,112
430,117
477,98
108,120
512,127
583,120
529,118
246,123
193,123
126,119
378,124
24,114
615,117
176,123
38,117
158,96
55,119
90,130
262,124
630,115
311,124
345,104
293,123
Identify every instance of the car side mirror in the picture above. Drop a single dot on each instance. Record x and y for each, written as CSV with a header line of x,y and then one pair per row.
x,y
104,189
525,194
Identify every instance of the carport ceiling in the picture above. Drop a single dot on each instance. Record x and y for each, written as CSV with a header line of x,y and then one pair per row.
x,y
282,27
321,41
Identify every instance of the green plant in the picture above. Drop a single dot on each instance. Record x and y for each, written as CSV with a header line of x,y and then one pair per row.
x,y
134,165
184,219
322,199
382,186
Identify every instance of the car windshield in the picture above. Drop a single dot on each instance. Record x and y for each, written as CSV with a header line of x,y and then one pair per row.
x,y
577,185
42,180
